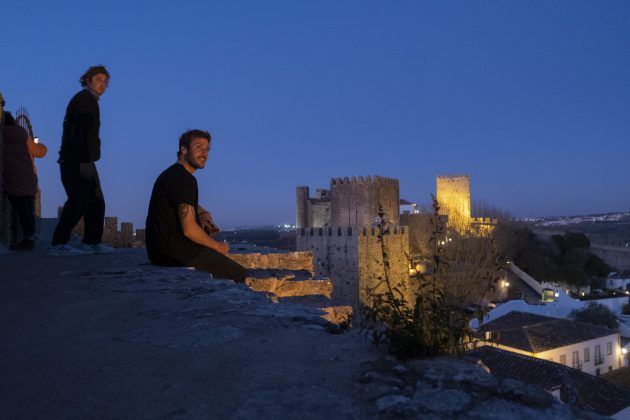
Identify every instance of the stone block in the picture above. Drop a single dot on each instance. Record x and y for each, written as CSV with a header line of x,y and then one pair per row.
x,y
284,287
285,260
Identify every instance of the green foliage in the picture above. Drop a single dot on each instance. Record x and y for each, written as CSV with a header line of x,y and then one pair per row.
x,y
566,259
571,240
595,266
596,314
423,323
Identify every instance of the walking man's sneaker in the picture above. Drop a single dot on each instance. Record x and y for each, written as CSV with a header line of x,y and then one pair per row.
x,y
63,250
96,248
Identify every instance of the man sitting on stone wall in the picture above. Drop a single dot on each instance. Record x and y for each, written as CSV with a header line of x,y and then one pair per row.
x,y
174,233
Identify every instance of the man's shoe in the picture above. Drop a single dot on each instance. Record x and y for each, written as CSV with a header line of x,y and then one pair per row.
x,y
63,250
96,248
25,245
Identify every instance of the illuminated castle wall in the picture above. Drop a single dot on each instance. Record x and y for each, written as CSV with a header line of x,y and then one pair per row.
x,y
351,201
453,195
337,226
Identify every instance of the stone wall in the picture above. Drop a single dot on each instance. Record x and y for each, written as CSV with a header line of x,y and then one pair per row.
x,y
372,274
312,212
356,201
453,194
335,255
352,258
123,238
420,228
285,261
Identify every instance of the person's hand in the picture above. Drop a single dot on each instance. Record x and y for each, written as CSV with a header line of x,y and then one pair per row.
x,y
86,170
224,247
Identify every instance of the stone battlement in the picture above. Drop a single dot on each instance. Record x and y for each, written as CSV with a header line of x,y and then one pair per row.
x,y
364,180
483,220
453,177
351,231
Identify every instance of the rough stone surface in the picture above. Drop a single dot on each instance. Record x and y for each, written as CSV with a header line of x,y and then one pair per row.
x,y
283,287
449,388
286,260
114,337
395,404
441,401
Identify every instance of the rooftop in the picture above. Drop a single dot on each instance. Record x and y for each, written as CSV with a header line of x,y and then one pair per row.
x,y
578,389
537,333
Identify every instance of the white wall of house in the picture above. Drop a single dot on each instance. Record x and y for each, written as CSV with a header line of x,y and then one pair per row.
x,y
613,283
408,208
608,361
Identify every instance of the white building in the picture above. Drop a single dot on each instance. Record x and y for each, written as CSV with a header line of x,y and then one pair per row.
x,y
407,207
589,348
615,281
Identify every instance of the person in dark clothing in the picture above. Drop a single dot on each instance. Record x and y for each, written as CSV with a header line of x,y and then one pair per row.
x,y
80,149
174,236
20,177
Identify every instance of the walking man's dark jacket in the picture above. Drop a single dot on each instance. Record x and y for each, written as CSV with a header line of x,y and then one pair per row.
x,y
80,141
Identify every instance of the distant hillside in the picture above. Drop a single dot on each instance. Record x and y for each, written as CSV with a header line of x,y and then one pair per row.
x,y
610,228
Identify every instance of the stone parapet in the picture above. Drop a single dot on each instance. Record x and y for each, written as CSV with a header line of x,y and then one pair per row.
x,y
286,287
286,261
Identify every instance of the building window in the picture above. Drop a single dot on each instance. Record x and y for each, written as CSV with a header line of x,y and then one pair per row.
x,y
575,360
563,359
587,354
599,357
609,348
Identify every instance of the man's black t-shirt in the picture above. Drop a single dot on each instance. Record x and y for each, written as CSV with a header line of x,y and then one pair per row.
x,y
165,240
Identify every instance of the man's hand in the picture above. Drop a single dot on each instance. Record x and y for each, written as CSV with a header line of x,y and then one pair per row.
x,y
86,170
224,248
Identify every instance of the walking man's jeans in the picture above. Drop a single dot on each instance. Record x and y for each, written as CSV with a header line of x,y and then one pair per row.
x,y
25,208
85,198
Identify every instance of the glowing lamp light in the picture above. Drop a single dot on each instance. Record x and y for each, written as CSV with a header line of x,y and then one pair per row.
x,y
36,140
557,294
624,350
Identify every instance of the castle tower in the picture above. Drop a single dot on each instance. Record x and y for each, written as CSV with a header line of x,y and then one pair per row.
x,y
453,195
301,207
356,201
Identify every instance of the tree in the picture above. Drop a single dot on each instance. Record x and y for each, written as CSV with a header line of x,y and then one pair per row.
x,y
596,314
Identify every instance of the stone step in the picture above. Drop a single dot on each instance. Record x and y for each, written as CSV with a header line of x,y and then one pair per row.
x,y
289,286
284,260
338,315
280,274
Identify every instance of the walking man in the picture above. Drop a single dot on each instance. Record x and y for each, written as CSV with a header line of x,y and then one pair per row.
x,y
174,236
80,149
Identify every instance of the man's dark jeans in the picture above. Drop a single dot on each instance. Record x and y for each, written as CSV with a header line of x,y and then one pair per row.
x,y
24,206
85,198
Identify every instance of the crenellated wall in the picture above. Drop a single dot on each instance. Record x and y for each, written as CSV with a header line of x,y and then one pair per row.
x,y
353,259
356,201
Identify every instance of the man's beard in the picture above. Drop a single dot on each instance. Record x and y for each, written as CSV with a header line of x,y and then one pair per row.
x,y
193,162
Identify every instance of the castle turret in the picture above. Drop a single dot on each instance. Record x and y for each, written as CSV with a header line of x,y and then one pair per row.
x,y
301,207
356,201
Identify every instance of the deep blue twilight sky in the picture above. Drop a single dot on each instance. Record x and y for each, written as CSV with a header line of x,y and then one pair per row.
x,y
530,98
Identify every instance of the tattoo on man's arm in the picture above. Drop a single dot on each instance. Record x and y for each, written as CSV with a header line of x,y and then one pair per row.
x,y
183,210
